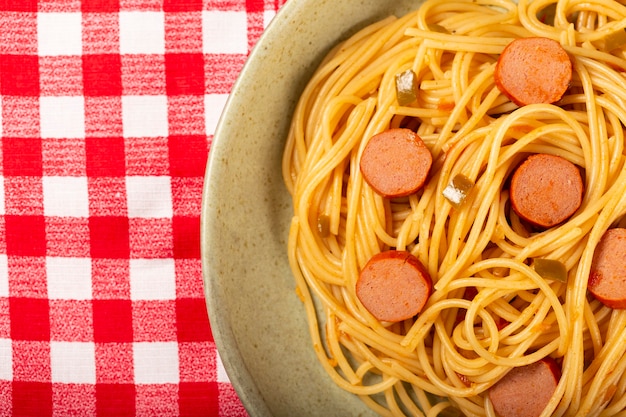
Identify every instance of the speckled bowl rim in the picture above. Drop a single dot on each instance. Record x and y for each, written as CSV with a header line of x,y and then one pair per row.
x,y
258,324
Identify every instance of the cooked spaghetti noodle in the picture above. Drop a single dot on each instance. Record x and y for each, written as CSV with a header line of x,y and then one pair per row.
x,y
449,355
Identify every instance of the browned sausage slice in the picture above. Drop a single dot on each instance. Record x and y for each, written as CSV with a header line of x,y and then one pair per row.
x,y
533,70
393,286
546,190
607,278
525,391
396,162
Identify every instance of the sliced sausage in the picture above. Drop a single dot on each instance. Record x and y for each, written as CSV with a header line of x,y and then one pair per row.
x,y
607,278
546,190
393,286
396,162
525,391
533,70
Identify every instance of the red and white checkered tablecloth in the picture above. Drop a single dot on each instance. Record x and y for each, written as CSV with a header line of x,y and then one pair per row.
x,y
108,109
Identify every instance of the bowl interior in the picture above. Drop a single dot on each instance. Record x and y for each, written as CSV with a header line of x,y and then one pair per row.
x,y
258,322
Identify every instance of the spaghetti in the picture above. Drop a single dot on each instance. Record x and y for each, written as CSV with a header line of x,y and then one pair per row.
x,y
445,359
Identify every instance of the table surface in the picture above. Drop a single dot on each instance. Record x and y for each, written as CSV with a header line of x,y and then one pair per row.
x,y
108,109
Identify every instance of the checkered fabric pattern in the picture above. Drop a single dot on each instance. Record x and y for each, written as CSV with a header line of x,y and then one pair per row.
x,y
108,109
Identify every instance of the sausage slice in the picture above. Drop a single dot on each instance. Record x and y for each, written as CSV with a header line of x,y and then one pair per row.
x,y
546,190
525,391
393,286
396,162
533,70
607,278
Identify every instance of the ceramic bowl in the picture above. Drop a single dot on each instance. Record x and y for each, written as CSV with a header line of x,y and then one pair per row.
x,y
257,320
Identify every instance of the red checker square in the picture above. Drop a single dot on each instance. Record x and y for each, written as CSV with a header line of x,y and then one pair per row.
x,y
157,400
71,320
187,195
225,69
184,74
110,278
112,321
102,75
22,157
229,402
67,236
105,157
150,238
197,361
60,76
107,197
186,236
182,6
109,237
143,5
25,235
3,242
103,117
255,6
59,6
255,26
234,5
6,387
31,361
18,33
154,320
23,196
115,400
27,277
5,325
19,75
114,363
31,399
63,157
147,156
100,6
183,31
193,320
18,5
18,114
199,399
188,278
185,115
74,399
188,155
101,33
30,318
143,74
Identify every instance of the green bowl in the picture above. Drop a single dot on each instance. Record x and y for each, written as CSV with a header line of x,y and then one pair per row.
x,y
258,322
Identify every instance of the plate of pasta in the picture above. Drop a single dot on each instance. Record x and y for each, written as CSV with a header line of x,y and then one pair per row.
x,y
427,216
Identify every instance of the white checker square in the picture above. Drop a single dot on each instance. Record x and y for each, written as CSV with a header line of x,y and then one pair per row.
x,y
65,196
69,278
62,117
144,116
59,33
156,362
213,106
149,197
224,32
268,16
73,362
4,276
6,360
152,279
142,32
221,371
